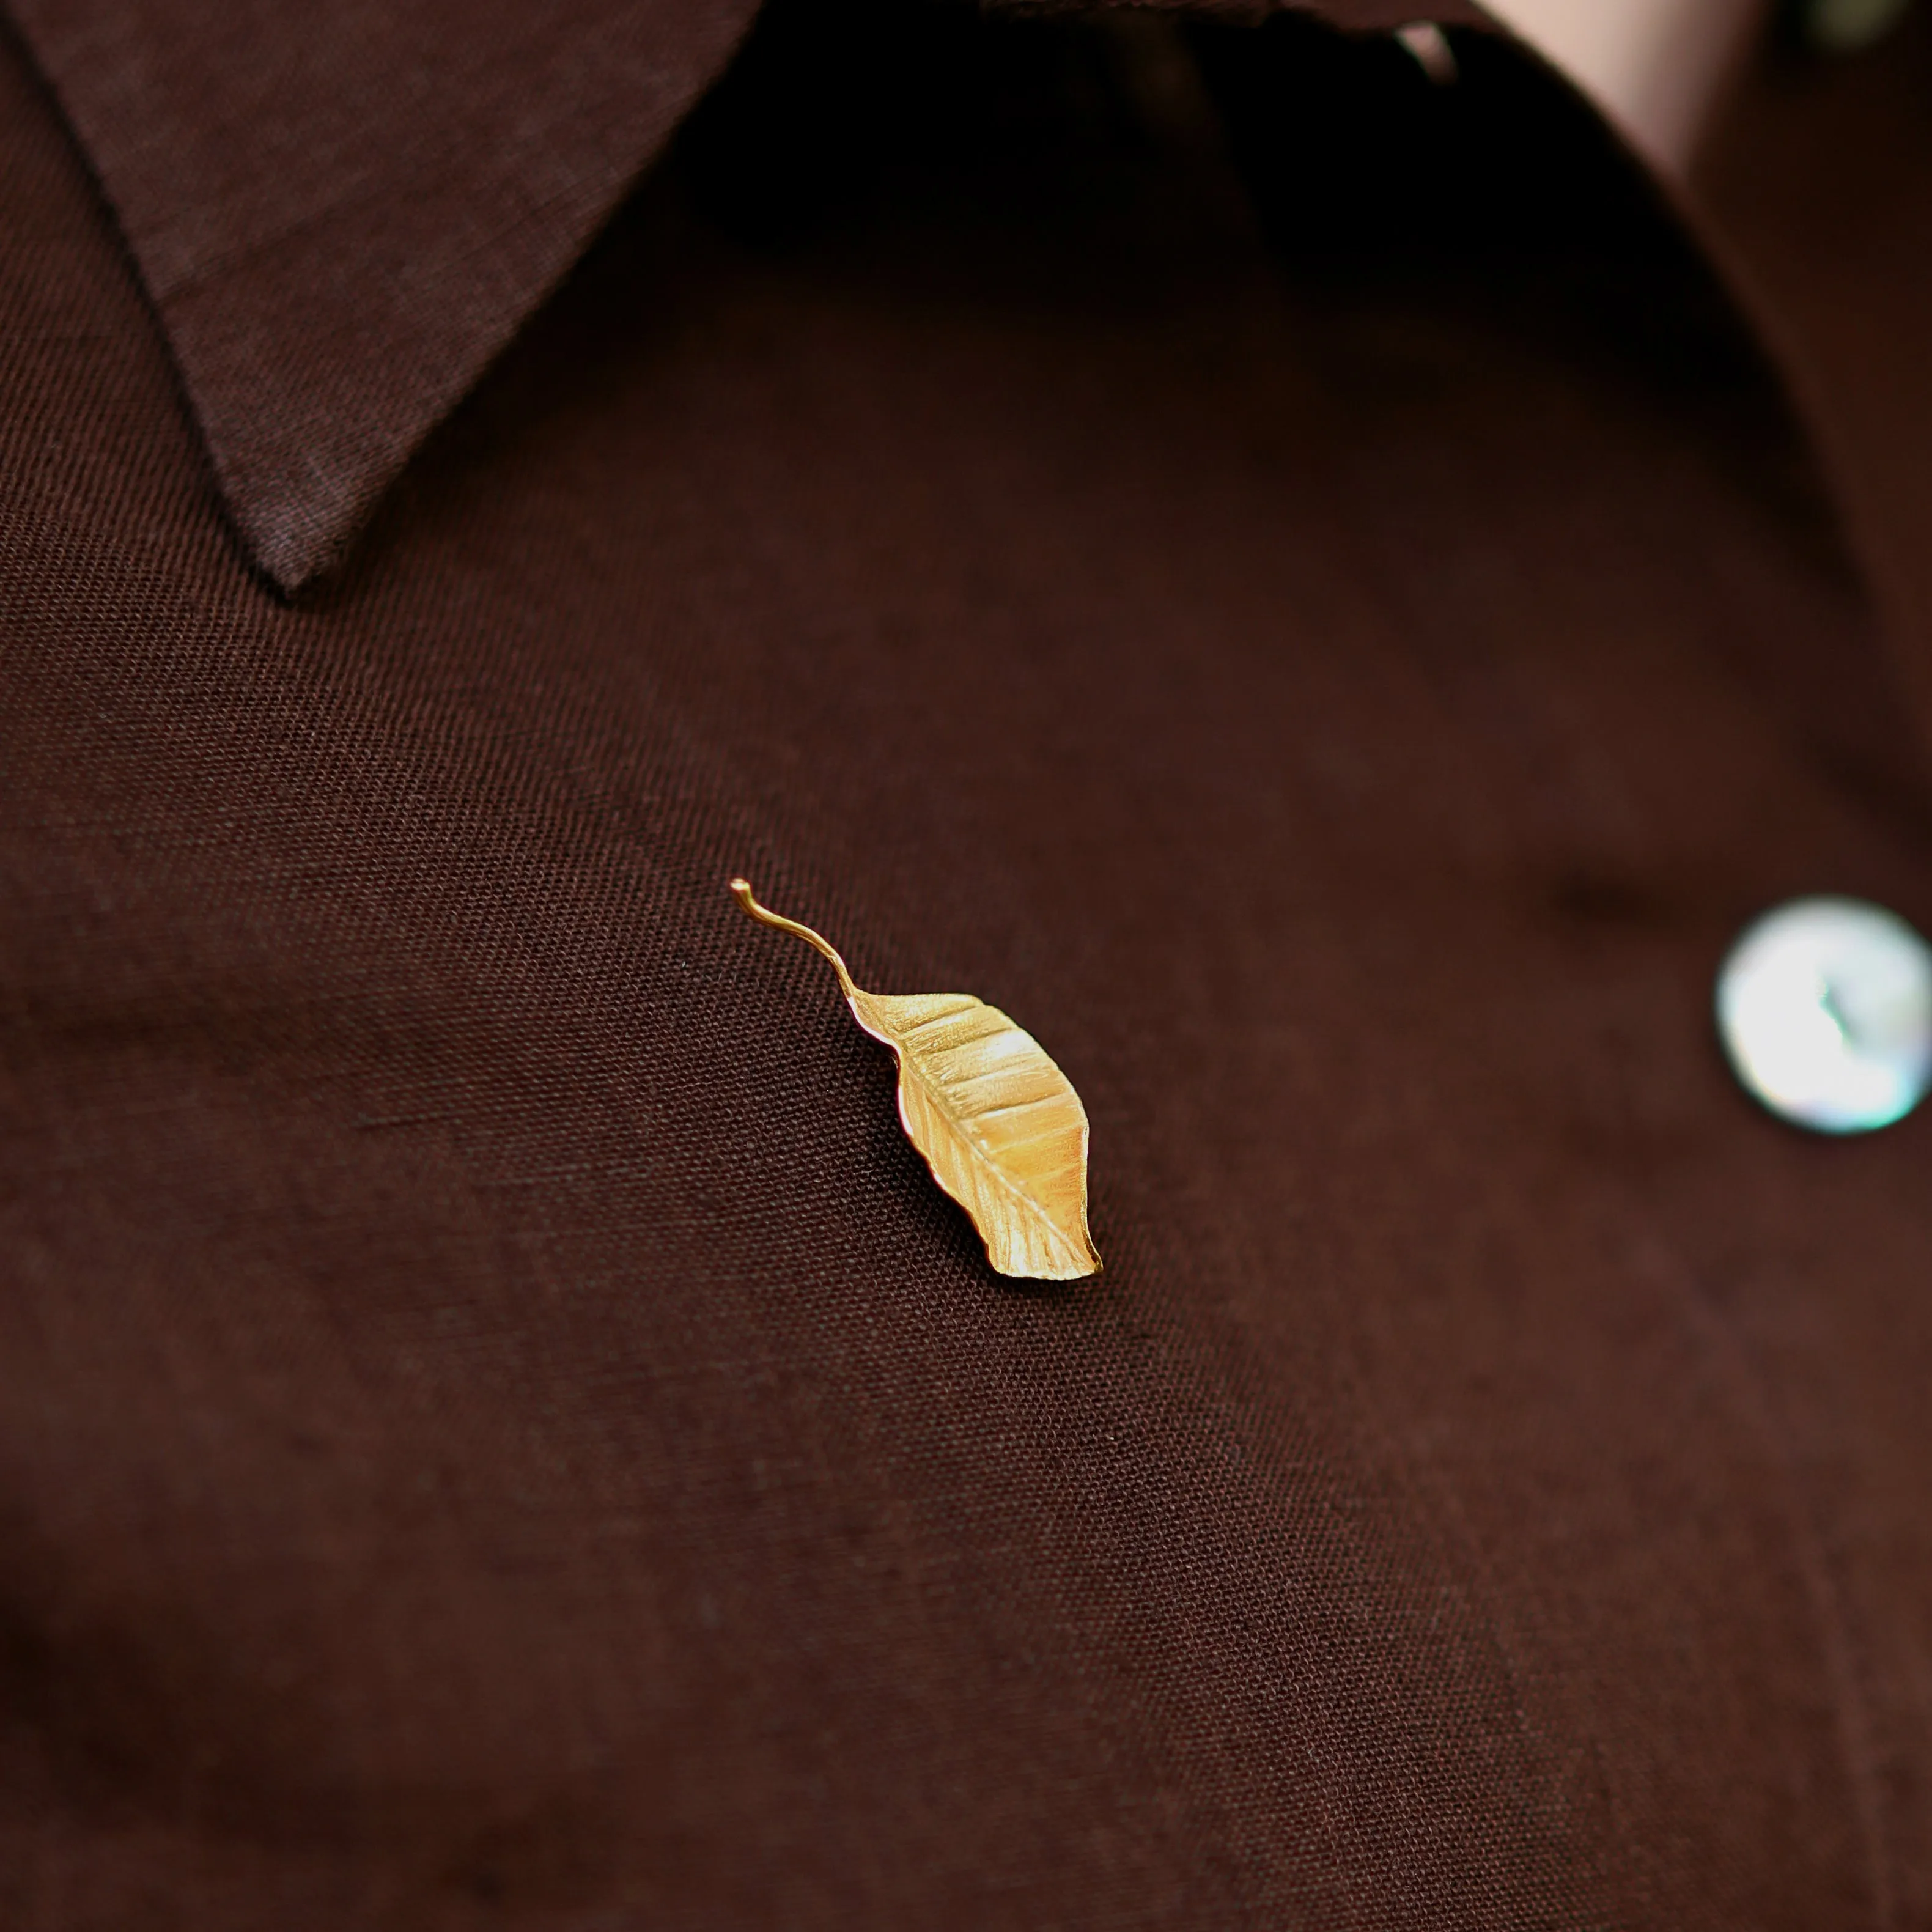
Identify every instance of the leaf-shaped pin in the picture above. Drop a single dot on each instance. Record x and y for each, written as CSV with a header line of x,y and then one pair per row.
x,y
999,1125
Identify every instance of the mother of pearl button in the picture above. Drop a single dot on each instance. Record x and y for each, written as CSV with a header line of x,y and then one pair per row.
x,y
1825,1007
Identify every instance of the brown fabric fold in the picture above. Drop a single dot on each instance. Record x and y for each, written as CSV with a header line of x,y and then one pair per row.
x,y
341,216
341,220
1818,175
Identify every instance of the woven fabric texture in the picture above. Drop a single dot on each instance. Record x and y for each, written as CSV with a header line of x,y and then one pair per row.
x,y
1174,531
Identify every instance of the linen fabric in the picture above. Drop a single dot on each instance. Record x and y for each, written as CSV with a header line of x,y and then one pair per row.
x,y
1166,525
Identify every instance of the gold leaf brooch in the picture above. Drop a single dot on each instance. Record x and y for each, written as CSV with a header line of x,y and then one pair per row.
x,y
999,1125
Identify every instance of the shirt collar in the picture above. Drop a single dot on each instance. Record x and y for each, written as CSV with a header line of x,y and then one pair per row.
x,y
342,214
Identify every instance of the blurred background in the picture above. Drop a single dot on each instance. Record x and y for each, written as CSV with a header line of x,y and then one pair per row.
x,y
1658,66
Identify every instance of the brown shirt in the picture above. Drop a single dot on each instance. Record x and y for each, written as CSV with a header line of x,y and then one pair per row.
x,y
1167,524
